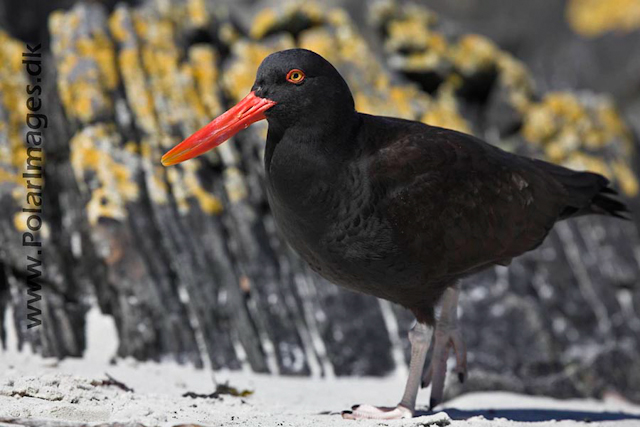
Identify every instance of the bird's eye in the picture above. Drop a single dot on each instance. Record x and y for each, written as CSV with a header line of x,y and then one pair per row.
x,y
295,76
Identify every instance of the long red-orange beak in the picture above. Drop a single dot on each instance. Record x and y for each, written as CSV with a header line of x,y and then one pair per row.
x,y
249,110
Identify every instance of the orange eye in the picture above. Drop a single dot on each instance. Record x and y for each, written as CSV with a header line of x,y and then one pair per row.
x,y
295,76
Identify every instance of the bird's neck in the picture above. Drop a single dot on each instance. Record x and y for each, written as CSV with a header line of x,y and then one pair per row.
x,y
332,141
302,163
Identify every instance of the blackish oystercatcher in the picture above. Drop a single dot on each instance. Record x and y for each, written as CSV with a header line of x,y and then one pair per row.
x,y
395,208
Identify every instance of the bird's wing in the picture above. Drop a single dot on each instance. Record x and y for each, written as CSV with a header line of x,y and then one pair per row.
x,y
460,202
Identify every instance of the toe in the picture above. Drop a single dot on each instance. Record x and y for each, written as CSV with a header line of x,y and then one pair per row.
x,y
462,377
370,412
369,409
460,351
350,415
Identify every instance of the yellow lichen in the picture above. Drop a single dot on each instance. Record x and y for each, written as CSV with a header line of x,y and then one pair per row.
x,y
322,42
157,188
410,37
269,19
612,124
6,176
20,221
581,161
138,94
239,77
443,111
176,101
340,43
409,33
132,147
184,181
179,193
185,94
263,22
417,47
13,109
185,15
203,60
86,63
574,132
119,22
562,114
197,12
102,51
228,33
407,100
234,184
592,18
472,53
191,95
383,13
557,110
626,178
209,203
137,86
186,186
513,75
111,182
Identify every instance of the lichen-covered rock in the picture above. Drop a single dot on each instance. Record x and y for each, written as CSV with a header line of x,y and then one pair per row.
x,y
494,91
187,259
85,63
595,17
583,132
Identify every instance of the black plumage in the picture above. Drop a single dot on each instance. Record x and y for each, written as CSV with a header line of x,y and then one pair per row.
x,y
395,208
400,209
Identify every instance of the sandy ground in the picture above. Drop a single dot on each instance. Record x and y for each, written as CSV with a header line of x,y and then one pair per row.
x,y
41,389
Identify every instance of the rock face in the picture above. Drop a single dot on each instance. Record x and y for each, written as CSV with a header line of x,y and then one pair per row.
x,y
187,259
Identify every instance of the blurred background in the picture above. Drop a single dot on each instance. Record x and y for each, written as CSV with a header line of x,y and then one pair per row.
x,y
186,260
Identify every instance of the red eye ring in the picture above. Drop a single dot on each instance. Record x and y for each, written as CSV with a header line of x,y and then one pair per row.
x,y
295,76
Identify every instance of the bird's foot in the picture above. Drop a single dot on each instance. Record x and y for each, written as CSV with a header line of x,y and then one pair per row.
x,y
370,412
445,340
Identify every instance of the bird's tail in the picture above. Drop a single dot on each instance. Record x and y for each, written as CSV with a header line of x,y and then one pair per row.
x,y
604,203
589,193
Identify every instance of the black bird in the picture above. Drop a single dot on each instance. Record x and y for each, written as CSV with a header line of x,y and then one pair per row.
x,y
395,208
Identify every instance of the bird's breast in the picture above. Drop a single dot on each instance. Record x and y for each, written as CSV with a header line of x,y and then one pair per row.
x,y
333,223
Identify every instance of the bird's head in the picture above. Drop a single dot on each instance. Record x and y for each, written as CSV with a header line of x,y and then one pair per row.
x,y
293,88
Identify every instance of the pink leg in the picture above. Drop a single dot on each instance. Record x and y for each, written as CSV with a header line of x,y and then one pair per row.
x,y
447,337
420,337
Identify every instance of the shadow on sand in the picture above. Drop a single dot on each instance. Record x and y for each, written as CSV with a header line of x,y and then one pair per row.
x,y
533,415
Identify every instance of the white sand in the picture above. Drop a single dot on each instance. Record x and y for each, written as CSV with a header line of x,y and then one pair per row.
x,y
32,387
